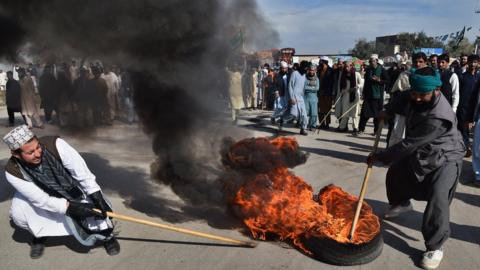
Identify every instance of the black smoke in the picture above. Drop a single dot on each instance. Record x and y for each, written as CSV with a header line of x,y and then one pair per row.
x,y
176,50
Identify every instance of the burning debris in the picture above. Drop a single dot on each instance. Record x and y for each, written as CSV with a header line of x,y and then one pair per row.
x,y
270,199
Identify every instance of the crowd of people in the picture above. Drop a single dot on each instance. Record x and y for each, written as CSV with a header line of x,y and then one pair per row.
x,y
310,93
69,95
431,110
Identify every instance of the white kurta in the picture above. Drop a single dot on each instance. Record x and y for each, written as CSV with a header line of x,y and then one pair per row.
x,y
113,84
3,80
43,215
235,90
455,91
27,89
398,132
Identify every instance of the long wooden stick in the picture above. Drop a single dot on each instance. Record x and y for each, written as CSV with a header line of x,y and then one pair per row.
x,y
329,112
349,109
181,230
365,182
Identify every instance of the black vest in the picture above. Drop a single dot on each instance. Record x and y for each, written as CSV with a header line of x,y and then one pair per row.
x,y
60,177
446,86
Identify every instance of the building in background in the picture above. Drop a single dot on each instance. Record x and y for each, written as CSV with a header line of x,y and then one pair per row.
x,y
387,45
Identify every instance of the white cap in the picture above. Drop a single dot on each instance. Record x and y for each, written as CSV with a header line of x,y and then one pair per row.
x,y
284,64
325,58
18,136
374,56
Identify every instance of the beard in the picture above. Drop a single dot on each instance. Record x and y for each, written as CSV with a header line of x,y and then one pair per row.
x,y
425,106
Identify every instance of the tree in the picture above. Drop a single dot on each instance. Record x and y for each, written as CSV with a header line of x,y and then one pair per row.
x,y
463,47
363,48
407,42
410,41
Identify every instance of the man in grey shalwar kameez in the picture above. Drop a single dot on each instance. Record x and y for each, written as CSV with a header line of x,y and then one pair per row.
x,y
296,101
426,164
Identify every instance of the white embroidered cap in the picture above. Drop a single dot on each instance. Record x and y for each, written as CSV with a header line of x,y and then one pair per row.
x,y
374,56
325,58
284,64
18,136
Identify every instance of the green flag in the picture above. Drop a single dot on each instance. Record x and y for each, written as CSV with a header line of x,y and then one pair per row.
x,y
237,40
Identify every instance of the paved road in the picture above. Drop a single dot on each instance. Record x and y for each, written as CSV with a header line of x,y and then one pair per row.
x,y
121,157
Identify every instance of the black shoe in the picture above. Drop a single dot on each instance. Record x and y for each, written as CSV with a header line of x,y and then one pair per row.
x,y
355,132
272,120
342,130
303,132
112,246
37,247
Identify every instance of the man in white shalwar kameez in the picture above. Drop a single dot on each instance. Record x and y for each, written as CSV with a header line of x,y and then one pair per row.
x,y
113,84
55,192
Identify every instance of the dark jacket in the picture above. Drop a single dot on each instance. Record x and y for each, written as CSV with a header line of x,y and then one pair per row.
x,y
431,136
468,95
326,82
48,89
12,95
446,85
280,85
83,90
373,89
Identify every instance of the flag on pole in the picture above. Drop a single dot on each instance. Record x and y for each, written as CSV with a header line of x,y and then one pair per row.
x,y
237,40
460,37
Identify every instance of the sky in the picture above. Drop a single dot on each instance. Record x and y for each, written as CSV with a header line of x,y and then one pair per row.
x,y
333,26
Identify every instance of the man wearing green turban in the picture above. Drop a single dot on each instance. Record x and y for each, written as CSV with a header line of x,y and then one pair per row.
x,y
426,164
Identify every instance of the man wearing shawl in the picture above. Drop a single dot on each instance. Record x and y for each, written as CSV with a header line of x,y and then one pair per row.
x,y
348,95
55,192
426,164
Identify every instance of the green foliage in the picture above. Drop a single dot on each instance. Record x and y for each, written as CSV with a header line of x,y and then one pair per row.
x,y
464,47
408,42
363,48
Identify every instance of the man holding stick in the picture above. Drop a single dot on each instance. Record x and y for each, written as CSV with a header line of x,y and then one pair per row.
x,y
55,192
426,164
296,87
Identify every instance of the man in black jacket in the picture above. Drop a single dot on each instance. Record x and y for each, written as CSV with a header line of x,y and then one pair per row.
x,y
325,94
281,89
373,93
12,98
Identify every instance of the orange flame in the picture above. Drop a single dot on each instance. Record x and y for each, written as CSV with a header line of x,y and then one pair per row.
x,y
276,201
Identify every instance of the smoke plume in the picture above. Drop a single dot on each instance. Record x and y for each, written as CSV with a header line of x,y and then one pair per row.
x,y
176,50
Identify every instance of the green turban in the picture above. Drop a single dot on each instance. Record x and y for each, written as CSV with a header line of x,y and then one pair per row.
x,y
424,83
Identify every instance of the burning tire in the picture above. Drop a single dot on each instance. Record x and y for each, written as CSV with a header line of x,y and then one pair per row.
x,y
333,252
270,199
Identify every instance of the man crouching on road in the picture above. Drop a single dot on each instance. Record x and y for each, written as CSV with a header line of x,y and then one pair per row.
x,y
55,192
426,164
